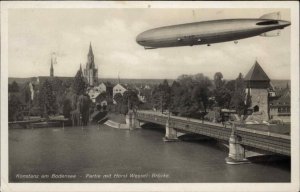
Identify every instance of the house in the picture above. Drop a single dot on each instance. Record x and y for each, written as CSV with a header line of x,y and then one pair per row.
x,y
101,87
95,91
280,106
119,88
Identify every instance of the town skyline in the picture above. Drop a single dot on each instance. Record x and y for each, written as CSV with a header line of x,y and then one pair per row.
x,y
117,53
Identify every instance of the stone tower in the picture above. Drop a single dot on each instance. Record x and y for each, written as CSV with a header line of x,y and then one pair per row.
x,y
90,71
51,69
257,84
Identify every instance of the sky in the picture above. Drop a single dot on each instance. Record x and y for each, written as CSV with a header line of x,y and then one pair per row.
x,y
36,35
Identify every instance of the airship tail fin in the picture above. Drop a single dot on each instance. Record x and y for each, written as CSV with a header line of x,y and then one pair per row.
x,y
273,16
271,33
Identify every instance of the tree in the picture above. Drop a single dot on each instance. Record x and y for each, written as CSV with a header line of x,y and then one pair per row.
x,y
47,99
218,80
181,102
27,96
221,93
59,92
130,99
118,99
200,97
230,85
223,97
67,108
200,94
84,106
13,108
176,93
35,104
26,93
165,94
248,99
189,94
70,95
155,98
79,84
13,87
238,99
161,96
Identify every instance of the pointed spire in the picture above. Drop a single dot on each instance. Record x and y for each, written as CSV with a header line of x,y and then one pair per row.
x,y
90,49
80,69
51,68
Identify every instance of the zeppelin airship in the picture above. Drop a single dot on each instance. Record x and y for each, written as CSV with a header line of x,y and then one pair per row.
x,y
209,32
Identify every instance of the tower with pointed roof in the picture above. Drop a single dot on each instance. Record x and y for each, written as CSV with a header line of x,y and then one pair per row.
x,y
90,71
257,85
51,69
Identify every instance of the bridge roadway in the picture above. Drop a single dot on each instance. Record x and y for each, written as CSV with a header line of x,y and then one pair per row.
x,y
266,141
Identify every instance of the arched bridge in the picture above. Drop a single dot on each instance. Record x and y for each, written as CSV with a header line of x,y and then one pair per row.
x,y
238,137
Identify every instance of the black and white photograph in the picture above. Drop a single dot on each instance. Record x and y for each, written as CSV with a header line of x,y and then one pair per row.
x,y
149,96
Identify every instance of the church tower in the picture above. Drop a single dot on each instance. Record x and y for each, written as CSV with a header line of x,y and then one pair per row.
x,y
257,84
90,71
51,69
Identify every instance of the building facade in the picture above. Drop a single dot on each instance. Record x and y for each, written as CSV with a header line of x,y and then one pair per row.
x,y
90,71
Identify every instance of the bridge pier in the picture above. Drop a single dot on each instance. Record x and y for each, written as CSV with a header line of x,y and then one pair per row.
x,y
171,133
131,121
236,150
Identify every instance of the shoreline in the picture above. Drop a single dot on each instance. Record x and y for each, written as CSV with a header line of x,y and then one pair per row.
x,y
116,125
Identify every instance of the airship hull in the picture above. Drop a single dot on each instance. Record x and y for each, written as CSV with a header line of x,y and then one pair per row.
x,y
207,32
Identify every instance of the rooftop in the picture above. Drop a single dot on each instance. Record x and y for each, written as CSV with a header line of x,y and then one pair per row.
x,y
256,73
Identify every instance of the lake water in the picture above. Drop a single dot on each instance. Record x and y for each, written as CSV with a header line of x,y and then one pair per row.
x,y
106,155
